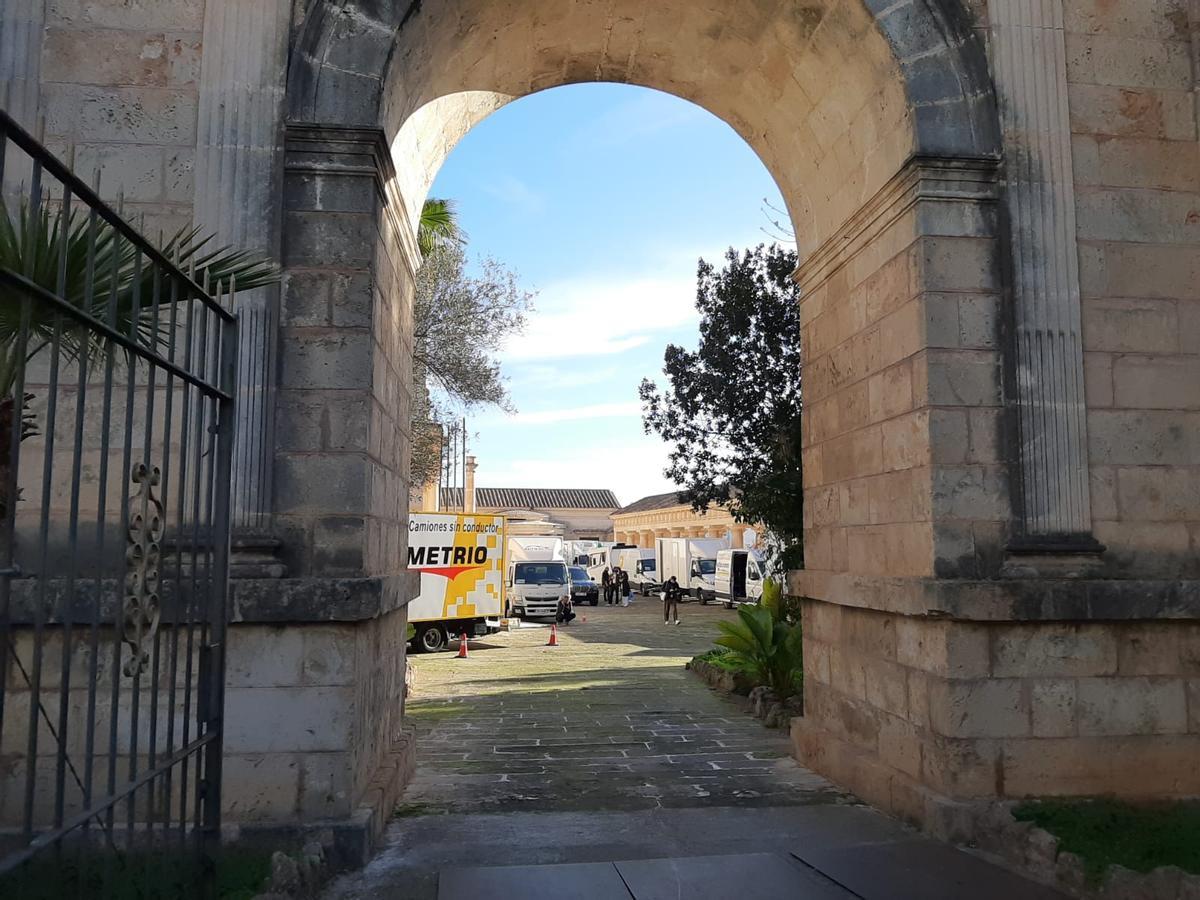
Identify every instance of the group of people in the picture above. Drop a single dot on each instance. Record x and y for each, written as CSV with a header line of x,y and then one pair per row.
x,y
614,585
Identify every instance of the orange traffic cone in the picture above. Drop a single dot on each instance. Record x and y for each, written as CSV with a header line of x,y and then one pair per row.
x,y
553,642
462,646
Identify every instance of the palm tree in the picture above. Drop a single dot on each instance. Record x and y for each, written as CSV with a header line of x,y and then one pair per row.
x,y
438,225
84,260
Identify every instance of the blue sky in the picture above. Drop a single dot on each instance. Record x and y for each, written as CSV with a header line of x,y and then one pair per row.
x,y
601,197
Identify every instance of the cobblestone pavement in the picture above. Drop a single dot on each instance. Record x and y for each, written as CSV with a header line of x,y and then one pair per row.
x,y
607,720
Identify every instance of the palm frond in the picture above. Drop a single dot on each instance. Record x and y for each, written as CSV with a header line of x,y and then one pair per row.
x,y
85,261
438,225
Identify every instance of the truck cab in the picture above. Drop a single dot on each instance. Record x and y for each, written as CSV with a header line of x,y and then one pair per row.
x,y
536,586
645,574
739,577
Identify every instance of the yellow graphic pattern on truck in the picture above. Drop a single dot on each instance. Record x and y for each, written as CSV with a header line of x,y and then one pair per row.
x,y
461,561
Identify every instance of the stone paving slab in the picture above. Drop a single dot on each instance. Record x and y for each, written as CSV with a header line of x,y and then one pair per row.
x,y
752,876
917,869
609,719
579,881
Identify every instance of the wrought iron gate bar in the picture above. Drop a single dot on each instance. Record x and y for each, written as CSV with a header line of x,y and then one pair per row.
x,y
20,282
117,379
48,839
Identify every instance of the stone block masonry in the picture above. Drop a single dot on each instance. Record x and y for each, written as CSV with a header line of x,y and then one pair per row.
x,y
922,713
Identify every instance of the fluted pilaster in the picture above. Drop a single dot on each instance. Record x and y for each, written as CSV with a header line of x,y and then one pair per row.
x,y
1029,63
21,25
238,181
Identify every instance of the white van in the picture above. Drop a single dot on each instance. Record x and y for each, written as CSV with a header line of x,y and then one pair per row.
x,y
740,577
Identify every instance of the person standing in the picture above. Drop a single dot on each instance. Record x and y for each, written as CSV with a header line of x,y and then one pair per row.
x,y
624,588
607,586
671,592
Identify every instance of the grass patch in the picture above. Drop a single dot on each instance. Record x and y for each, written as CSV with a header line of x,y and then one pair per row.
x,y
436,710
1108,832
240,875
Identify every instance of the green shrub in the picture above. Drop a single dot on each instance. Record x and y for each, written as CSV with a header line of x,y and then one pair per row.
x,y
770,652
783,608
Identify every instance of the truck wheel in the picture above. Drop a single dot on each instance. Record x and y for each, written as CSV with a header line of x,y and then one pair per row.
x,y
430,639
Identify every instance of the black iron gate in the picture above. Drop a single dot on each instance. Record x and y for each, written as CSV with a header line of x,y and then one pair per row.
x,y
116,426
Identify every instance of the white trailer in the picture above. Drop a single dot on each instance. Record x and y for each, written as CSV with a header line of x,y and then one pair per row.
x,y
537,576
740,576
461,561
693,563
640,564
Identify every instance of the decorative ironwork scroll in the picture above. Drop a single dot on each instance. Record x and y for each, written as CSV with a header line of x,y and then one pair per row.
x,y
142,608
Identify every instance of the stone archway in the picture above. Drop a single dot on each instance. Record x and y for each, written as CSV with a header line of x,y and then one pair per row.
x,y
946,445
881,132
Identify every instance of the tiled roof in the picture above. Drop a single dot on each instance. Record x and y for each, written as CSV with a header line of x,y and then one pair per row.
x,y
654,501
533,498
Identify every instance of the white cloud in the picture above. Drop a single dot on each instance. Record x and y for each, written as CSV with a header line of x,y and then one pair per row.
x,y
602,316
649,113
539,376
516,193
568,414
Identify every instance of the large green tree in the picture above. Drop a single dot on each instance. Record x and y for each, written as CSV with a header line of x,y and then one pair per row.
x,y
731,409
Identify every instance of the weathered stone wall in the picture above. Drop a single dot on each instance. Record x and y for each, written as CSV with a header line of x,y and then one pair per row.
x,y
314,717
341,458
120,86
1131,84
912,710
905,470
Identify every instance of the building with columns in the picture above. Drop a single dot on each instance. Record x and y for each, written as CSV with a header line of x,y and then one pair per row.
x,y
665,515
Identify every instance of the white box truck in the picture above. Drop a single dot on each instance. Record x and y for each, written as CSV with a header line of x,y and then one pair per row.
x,y
740,576
461,561
639,563
693,562
537,576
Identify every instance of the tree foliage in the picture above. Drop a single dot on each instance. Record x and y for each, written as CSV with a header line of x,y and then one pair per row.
x,y
731,408
460,324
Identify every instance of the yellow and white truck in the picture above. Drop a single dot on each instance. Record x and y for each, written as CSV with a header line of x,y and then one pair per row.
x,y
461,560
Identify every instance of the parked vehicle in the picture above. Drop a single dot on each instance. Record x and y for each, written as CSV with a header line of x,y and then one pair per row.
x,y
693,563
583,588
459,557
639,563
609,557
537,576
740,576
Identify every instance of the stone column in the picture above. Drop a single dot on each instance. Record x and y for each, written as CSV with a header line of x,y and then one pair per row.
x,y
239,165
21,25
469,485
737,537
1029,65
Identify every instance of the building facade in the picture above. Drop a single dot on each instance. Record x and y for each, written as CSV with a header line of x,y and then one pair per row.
x,y
665,515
